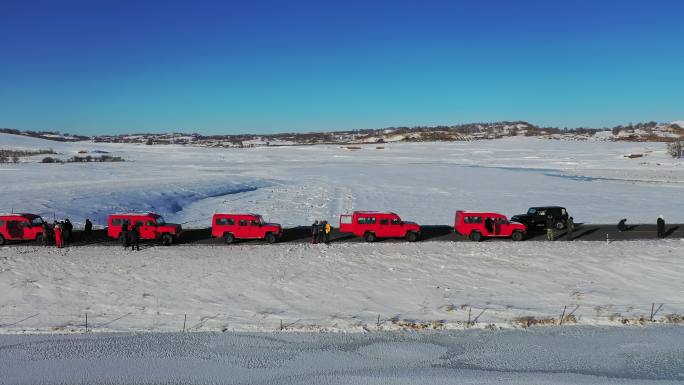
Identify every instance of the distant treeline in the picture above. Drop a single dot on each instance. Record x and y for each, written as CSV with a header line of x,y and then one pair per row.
x,y
84,159
49,135
7,156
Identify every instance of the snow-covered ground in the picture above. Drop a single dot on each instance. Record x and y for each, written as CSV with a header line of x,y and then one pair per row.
x,y
576,355
425,182
341,287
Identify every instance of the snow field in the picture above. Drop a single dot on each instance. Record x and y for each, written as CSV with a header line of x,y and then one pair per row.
x,y
341,287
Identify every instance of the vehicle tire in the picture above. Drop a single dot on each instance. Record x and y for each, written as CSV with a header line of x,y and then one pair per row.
x,y
475,236
39,238
271,238
517,236
369,237
411,236
167,239
560,225
2,240
228,238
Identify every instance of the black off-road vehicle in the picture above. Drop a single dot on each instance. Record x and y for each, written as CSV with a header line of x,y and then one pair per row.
x,y
536,217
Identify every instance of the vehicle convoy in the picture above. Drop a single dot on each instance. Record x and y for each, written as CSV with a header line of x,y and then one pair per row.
x,y
536,217
372,225
150,226
479,225
20,227
231,227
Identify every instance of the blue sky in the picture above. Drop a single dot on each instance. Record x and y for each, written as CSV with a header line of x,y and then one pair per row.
x,y
97,67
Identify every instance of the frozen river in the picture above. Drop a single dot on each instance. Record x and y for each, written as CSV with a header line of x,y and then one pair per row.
x,y
568,355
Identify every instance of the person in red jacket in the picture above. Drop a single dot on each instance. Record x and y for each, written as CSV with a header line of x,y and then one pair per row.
x,y
59,242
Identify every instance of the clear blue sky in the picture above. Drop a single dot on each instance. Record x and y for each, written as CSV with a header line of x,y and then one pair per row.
x,y
119,66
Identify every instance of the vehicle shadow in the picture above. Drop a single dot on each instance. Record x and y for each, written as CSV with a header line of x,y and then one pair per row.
x,y
671,230
578,235
435,231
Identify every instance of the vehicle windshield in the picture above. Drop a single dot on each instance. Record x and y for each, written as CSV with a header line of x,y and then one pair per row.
x,y
38,221
160,221
532,211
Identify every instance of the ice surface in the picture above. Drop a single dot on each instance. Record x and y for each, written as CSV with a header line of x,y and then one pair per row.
x,y
575,355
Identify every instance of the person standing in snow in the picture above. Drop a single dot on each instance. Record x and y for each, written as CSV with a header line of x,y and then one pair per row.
x,y
46,234
550,234
88,230
314,232
134,236
59,242
124,235
571,228
328,229
67,231
660,225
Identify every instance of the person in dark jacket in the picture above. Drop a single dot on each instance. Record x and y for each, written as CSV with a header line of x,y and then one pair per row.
x,y
314,232
67,229
550,229
46,234
571,228
622,225
489,225
660,225
125,239
88,230
134,236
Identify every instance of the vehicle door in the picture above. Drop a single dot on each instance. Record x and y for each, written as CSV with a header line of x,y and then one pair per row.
x,y
255,227
384,227
146,227
242,230
366,223
539,218
397,226
15,229
501,227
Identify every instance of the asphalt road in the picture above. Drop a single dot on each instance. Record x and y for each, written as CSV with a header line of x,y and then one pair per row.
x,y
439,233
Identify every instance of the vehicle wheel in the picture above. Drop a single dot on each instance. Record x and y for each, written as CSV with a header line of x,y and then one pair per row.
x,y
167,239
228,238
369,237
39,238
271,238
411,236
559,225
475,236
517,236
2,240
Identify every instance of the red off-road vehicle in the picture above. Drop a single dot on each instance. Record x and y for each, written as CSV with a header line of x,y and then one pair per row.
x,y
150,226
20,227
477,225
372,225
244,226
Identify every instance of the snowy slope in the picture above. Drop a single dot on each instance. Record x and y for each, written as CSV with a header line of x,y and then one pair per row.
x,y
425,182
341,287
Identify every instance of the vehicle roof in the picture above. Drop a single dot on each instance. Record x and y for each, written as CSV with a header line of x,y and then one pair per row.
x,y
240,214
479,213
21,215
374,212
547,207
135,214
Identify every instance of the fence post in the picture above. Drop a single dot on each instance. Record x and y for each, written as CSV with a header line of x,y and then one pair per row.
x,y
281,325
185,319
377,325
86,324
563,315
469,309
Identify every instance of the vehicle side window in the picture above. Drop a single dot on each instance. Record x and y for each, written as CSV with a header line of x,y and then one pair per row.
x,y
254,223
243,222
225,221
150,223
139,223
396,221
117,222
2,223
366,221
563,212
384,221
541,212
472,220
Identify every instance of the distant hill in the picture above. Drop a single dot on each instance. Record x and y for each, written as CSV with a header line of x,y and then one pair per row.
x,y
649,131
